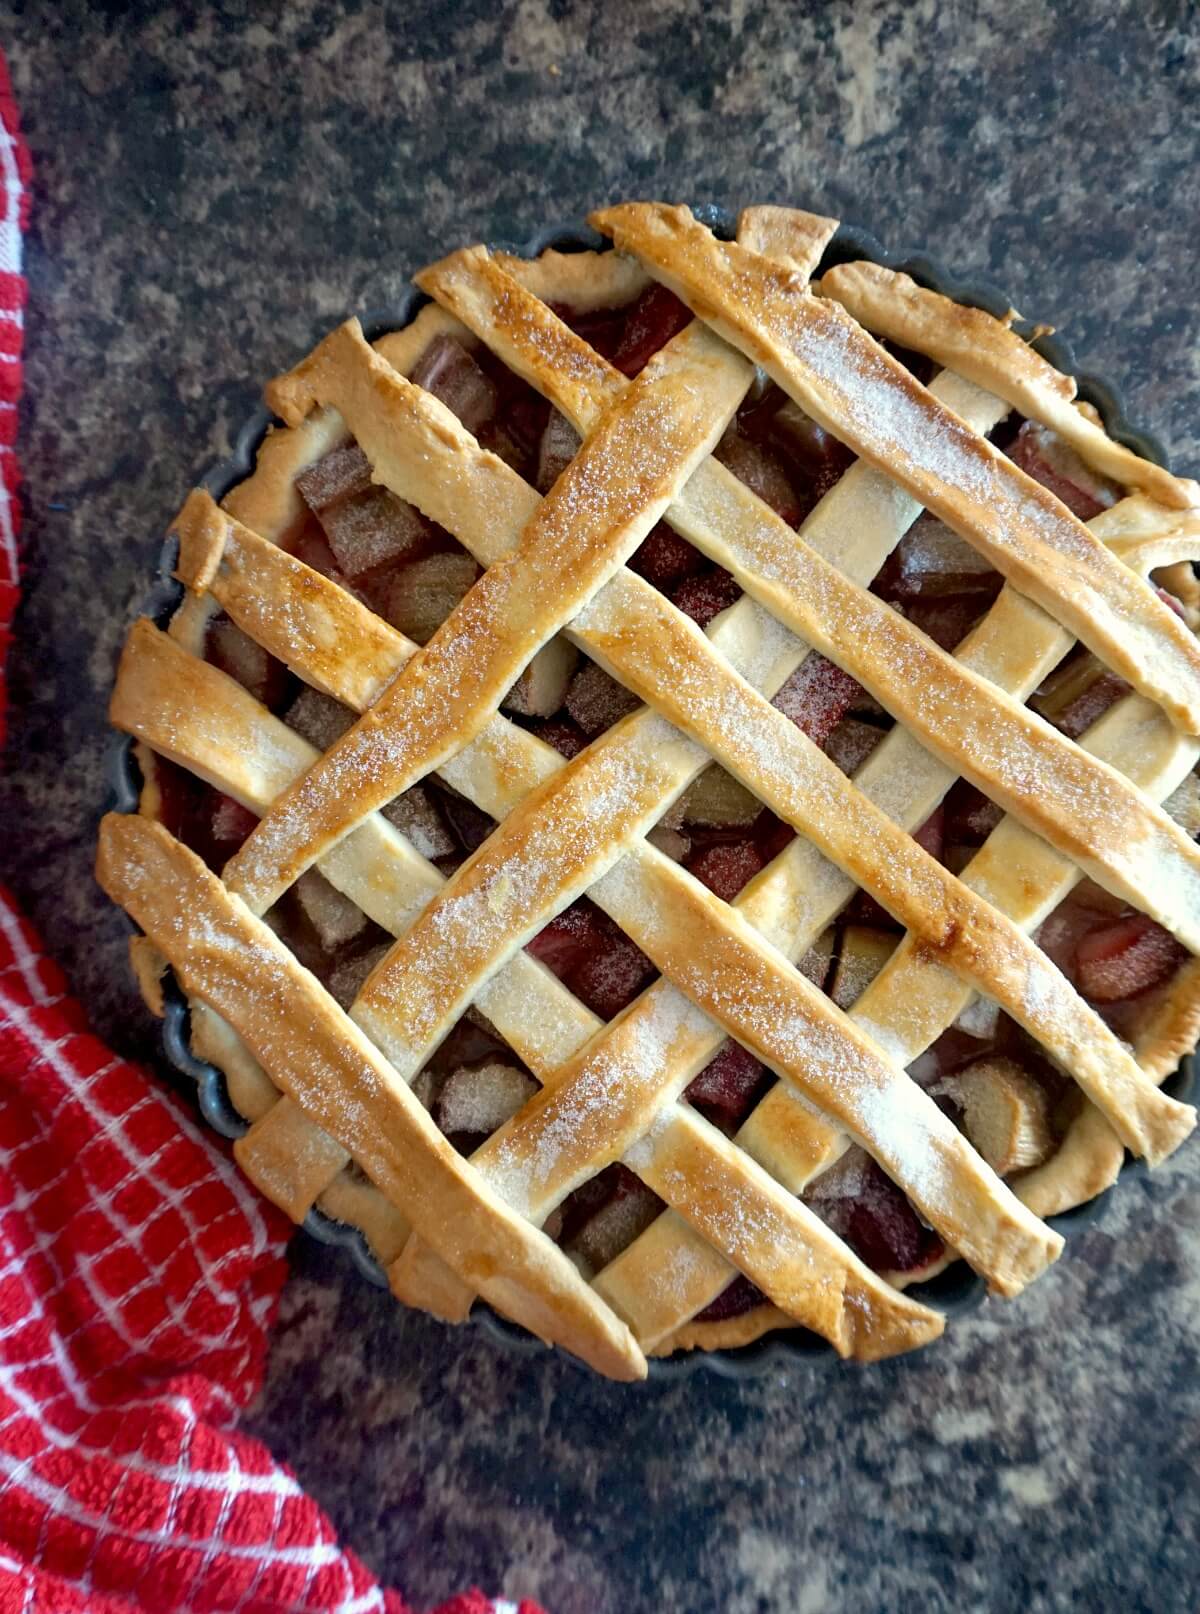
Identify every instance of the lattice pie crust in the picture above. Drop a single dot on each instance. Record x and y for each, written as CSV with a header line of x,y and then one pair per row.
x,y
339,1097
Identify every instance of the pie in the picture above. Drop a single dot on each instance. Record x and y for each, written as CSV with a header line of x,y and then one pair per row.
x,y
670,793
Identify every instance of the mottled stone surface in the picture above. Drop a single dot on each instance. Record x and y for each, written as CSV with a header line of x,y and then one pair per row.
x,y
214,185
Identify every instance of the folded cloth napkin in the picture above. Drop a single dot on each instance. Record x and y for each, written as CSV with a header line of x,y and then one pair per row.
x,y
139,1276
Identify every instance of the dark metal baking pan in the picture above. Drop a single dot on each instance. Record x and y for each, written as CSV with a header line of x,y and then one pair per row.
x,y
957,1289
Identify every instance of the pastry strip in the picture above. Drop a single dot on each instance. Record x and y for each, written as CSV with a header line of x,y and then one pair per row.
x,y
230,959
580,534
847,382
975,344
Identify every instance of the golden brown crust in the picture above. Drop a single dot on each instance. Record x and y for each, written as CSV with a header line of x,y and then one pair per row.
x,y
788,235
300,1163
979,346
851,386
233,961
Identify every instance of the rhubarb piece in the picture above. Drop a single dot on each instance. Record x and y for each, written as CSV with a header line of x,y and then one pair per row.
x,y
415,815
237,654
1121,960
970,816
335,919
761,470
569,939
229,823
851,742
346,979
1043,455
449,372
664,558
706,596
612,974
1005,1113
931,561
726,867
542,687
725,1090
318,718
1183,804
654,319
419,597
341,474
628,1211
374,529
716,800
865,1208
595,701
817,697
670,842
817,958
469,824
476,1100
859,956
558,446
567,738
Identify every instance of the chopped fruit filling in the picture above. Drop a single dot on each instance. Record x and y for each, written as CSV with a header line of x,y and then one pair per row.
x,y
605,1215
451,374
318,718
229,823
237,654
863,1206
1004,1112
335,919
469,824
1183,804
557,447
542,687
654,319
946,621
1120,960
341,474
416,816
726,867
762,471
970,816
569,938
706,596
740,1297
817,697
346,979
611,976
475,1100
858,957
664,558
374,529
417,598
851,742
931,561
727,1088
1043,455
672,843
818,460
716,800
595,701
567,738
312,547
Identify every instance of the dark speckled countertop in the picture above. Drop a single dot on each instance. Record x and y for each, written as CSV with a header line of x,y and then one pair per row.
x,y
216,184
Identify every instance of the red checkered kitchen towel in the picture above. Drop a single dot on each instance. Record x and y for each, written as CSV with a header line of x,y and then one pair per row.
x,y
139,1275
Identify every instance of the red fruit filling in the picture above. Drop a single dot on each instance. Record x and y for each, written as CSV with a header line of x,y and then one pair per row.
x,y
817,697
654,319
704,597
1124,959
727,1088
726,867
